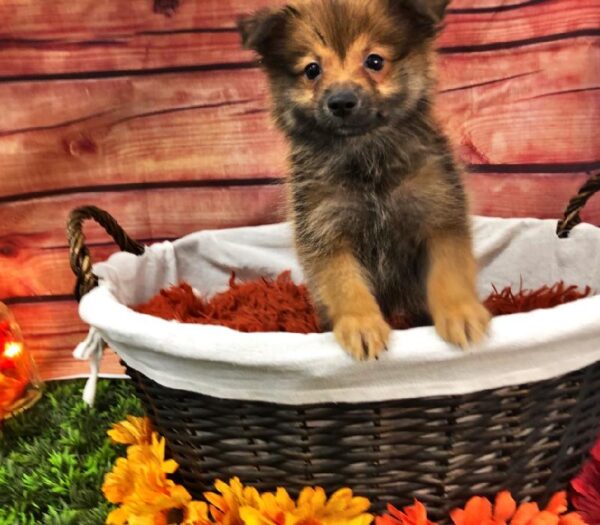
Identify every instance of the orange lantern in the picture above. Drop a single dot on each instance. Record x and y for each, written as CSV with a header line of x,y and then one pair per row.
x,y
20,385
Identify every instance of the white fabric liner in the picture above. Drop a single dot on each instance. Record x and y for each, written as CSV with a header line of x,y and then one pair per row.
x,y
304,369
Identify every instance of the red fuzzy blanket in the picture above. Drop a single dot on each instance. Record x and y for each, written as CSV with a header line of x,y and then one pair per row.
x,y
279,305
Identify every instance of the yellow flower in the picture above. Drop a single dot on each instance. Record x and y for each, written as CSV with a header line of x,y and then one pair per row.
x,y
118,484
225,506
345,508
140,483
122,516
153,491
273,509
133,431
153,453
196,513
118,516
149,519
312,508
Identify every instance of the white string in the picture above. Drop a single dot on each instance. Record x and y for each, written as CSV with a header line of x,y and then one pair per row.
x,y
90,349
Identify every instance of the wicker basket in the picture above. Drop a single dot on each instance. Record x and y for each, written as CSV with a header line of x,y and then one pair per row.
x,y
529,438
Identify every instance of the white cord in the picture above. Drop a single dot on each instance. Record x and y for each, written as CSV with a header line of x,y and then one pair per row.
x,y
90,349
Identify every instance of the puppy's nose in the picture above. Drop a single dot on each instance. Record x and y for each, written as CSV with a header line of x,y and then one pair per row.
x,y
342,103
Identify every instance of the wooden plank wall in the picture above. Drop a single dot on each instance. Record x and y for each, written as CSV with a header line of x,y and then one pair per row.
x,y
162,120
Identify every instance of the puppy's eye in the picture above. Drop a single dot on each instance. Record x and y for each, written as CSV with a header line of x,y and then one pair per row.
x,y
374,62
312,71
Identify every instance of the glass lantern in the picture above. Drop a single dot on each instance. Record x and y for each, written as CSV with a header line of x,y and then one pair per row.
x,y
20,385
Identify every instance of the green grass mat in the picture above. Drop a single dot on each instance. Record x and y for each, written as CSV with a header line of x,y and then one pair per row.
x,y
53,457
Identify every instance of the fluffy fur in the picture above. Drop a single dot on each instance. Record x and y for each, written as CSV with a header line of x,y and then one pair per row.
x,y
376,196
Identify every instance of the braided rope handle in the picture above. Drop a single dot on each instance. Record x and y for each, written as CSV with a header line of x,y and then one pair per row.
x,y
79,254
571,217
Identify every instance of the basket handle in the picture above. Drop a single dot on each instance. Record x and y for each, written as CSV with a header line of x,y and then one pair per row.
x,y
79,254
571,217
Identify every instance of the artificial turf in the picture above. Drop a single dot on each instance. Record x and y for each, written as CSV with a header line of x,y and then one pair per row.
x,y
53,457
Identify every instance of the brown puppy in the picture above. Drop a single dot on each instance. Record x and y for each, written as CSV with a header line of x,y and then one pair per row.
x,y
377,201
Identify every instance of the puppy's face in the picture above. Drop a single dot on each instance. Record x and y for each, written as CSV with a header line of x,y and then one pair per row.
x,y
345,67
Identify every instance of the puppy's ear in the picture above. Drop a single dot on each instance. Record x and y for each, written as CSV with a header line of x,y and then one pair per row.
x,y
258,30
428,11
435,10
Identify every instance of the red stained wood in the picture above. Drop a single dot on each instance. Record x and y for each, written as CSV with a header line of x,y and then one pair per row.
x,y
530,131
33,245
528,195
538,20
90,20
490,5
532,106
175,128
91,37
136,52
479,79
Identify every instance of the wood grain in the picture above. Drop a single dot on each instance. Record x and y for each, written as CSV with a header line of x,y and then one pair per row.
x,y
542,195
122,55
214,126
530,131
89,19
33,246
138,131
88,38
534,23
489,6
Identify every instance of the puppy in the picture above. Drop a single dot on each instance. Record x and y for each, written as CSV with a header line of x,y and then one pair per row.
x,y
376,198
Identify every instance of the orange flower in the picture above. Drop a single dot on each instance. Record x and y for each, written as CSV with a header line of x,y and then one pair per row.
x,y
413,515
118,484
479,511
141,485
133,431
225,505
504,507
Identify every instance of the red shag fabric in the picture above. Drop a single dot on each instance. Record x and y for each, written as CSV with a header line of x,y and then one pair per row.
x,y
280,305
263,305
507,302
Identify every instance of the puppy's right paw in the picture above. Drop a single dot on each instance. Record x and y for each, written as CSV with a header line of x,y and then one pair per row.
x,y
363,336
462,323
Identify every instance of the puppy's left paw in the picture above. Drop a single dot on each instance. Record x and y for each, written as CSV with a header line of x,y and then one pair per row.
x,y
462,323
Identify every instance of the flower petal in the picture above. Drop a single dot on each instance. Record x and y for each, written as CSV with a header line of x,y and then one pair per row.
x,y
525,513
545,518
573,518
558,503
504,507
196,513
133,431
117,517
457,516
478,511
